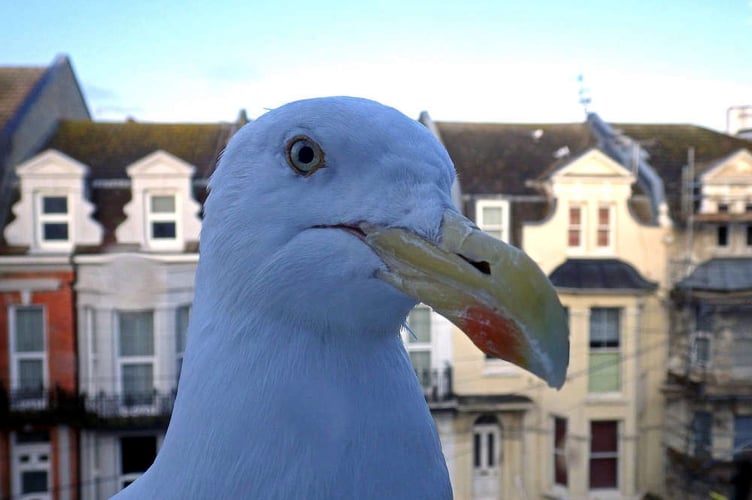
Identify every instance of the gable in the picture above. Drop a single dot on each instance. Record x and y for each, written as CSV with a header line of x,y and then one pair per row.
x,y
592,164
52,163
735,168
160,163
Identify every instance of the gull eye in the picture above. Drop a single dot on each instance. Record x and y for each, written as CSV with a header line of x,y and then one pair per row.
x,y
304,155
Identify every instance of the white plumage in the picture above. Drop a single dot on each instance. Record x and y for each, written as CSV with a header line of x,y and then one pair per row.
x,y
295,383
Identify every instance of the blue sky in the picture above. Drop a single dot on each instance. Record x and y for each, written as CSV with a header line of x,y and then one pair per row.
x,y
506,61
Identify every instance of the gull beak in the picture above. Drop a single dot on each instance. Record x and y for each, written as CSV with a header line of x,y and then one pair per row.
x,y
492,291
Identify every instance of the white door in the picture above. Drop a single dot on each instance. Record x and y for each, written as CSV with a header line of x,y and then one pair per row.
x,y
486,459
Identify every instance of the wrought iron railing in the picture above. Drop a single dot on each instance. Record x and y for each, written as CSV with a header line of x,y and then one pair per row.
x,y
436,383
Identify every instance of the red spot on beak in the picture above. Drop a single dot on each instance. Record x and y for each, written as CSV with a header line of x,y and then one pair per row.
x,y
495,334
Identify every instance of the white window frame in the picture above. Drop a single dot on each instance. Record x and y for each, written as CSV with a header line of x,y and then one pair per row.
x,y
606,349
414,345
486,431
155,217
16,357
580,228
504,227
134,360
609,228
43,218
30,457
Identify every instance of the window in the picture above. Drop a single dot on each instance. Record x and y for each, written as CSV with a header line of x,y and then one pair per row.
x,y
702,429
162,215
742,342
54,220
723,208
743,435
749,235
700,354
722,235
574,232
604,454
136,356
137,453
28,356
419,343
560,457
181,332
31,452
604,227
604,360
493,218
486,437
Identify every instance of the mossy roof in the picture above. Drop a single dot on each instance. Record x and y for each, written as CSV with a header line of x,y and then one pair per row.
x,y
108,148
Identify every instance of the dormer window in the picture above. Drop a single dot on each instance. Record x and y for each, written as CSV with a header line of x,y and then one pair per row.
x,y
54,220
574,232
604,226
162,216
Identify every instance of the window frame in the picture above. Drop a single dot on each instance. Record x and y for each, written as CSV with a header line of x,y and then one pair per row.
x,y
42,218
19,401
595,370
578,228
611,455
134,360
152,217
559,448
503,228
414,345
607,228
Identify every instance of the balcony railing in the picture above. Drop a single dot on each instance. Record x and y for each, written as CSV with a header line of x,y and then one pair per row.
x,y
150,404
436,383
39,405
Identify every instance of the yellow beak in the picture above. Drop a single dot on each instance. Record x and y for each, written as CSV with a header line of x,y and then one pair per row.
x,y
492,291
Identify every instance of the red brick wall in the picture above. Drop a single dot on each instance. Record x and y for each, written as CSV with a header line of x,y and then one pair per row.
x,y
60,317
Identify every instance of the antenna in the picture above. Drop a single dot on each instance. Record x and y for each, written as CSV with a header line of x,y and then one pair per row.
x,y
584,93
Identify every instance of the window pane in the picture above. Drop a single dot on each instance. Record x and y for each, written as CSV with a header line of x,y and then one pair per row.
x,y
491,450
722,236
604,216
138,382
574,238
702,433
603,473
743,434
604,237
30,374
421,361
560,460
603,437
29,334
163,230
181,327
136,333
33,482
476,449
163,204
701,351
54,205
57,231
749,235
492,216
419,321
574,216
40,436
604,327
604,372
137,453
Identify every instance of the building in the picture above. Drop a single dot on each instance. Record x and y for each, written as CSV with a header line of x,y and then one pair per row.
x,y
118,206
595,206
38,383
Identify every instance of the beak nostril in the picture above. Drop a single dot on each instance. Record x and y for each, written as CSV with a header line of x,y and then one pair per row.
x,y
480,265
